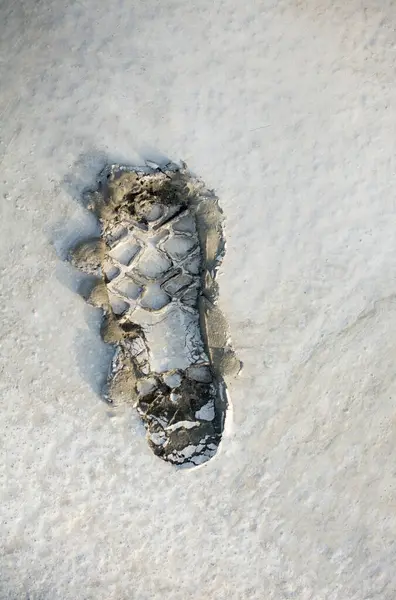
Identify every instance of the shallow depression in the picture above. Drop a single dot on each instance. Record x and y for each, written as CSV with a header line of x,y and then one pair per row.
x,y
154,298
152,279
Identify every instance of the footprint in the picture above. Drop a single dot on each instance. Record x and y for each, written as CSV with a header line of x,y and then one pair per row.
x,y
156,262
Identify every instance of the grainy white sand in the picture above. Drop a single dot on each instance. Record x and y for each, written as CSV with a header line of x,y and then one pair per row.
x,y
287,109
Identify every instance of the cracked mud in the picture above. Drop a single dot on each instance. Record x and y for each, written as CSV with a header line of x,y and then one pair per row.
x,y
155,266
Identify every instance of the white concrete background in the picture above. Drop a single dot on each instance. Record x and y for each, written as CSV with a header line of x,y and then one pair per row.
x,y
287,109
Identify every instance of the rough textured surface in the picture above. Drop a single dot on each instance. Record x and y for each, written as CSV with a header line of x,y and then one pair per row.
x,y
154,265
287,110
